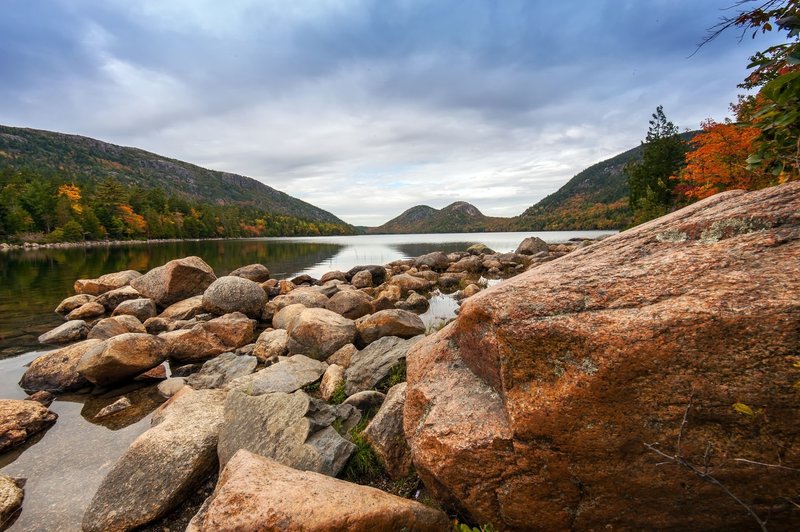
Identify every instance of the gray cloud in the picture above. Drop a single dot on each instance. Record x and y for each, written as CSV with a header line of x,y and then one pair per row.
x,y
366,108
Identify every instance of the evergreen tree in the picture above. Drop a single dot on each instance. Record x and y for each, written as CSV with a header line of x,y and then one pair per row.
x,y
652,180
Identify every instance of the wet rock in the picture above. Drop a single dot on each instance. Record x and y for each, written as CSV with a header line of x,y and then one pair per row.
x,y
435,261
114,326
122,357
416,303
221,370
71,303
362,279
284,316
20,419
184,310
386,437
71,331
394,322
294,429
142,309
531,246
87,311
154,374
175,281
306,296
162,466
429,275
351,304
57,371
470,290
318,333
288,375
271,344
11,495
365,400
451,280
111,299
257,273
375,362
377,272
105,283
332,379
256,493
343,355
117,406
407,283
539,399
234,294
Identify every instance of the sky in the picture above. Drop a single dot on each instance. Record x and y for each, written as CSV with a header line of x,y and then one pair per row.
x,y
366,108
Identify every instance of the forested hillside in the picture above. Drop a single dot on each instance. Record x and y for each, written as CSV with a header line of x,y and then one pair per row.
x,y
82,187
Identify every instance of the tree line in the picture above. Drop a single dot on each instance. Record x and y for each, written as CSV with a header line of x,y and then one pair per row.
x,y
40,204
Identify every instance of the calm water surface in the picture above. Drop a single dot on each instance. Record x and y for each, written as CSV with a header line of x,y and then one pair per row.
x,y
66,464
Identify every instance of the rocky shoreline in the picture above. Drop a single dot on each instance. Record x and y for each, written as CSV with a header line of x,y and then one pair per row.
x,y
325,357
644,381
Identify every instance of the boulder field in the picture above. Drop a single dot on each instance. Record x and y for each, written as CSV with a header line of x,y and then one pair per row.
x,y
647,381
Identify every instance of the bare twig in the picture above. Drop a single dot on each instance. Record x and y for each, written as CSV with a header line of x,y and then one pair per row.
x,y
776,466
683,425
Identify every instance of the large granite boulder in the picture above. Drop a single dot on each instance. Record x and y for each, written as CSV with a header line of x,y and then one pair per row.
x,y
162,466
531,246
175,281
435,261
122,357
386,437
87,311
318,333
57,371
114,326
271,344
111,299
184,310
105,283
406,283
254,272
234,294
142,309
375,362
221,370
351,304
293,429
256,493
288,375
209,339
285,315
19,420
71,331
391,322
548,400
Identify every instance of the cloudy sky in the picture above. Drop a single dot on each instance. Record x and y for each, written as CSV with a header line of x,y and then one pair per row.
x,y
368,107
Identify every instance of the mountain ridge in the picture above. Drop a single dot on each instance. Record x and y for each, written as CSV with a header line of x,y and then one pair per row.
x,y
95,159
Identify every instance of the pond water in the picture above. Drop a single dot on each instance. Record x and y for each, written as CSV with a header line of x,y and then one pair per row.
x,y
65,465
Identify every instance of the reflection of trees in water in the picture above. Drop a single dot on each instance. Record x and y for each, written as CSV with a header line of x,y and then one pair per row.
x,y
34,282
415,250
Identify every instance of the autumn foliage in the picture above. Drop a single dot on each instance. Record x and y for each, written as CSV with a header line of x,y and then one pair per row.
x,y
718,161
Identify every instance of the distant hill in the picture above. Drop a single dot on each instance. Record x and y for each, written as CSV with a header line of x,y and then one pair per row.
x,y
596,198
86,159
457,217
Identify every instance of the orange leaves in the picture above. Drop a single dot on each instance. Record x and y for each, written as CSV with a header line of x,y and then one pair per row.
x,y
135,223
73,194
719,161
